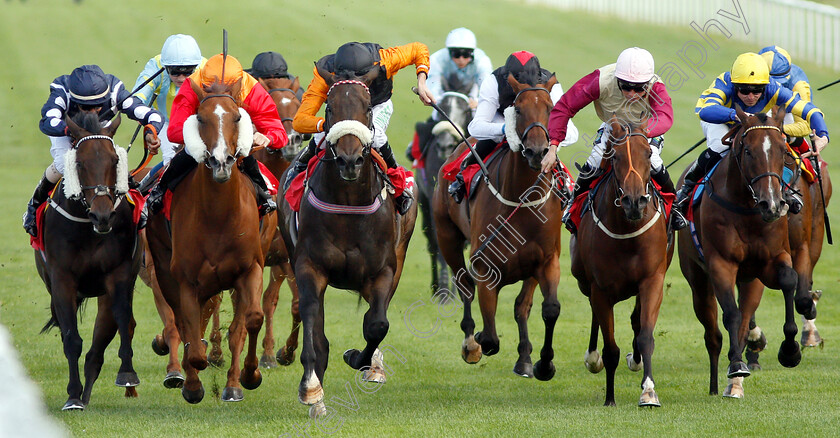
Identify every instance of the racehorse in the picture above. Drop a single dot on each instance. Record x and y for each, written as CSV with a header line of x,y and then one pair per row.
x,y
627,220
284,93
91,250
523,246
353,239
213,242
444,138
744,239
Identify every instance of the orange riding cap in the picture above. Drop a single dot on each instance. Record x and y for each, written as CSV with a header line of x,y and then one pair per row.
x,y
212,72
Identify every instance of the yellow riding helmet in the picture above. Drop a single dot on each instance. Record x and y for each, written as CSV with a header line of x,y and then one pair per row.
x,y
750,68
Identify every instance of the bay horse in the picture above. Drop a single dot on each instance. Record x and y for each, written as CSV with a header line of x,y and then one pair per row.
x,y
527,244
744,241
627,220
284,93
91,250
213,242
335,246
444,139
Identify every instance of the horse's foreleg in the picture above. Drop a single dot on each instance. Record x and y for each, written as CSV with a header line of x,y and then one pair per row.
x,y
311,286
544,368
604,313
705,308
722,276
375,328
648,302
121,306
287,354
789,353
169,341
104,329
209,310
521,312
488,299
269,304
188,319
593,361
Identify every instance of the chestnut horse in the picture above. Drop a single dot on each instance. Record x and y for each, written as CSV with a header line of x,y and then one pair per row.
x,y
522,245
91,250
215,241
284,93
627,220
744,241
357,242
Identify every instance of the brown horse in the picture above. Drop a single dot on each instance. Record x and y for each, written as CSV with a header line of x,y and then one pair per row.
x,y
522,245
626,220
215,242
91,250
744,240
363,252
284,93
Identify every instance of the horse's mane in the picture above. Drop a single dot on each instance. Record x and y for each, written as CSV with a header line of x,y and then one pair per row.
x,y
762,117
217,87
89,121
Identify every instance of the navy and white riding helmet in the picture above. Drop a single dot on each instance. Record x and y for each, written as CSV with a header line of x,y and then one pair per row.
x,y
89,86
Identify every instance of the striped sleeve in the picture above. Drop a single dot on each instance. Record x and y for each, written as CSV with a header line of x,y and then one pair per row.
x,y
145,94
713,106
797,106
52,113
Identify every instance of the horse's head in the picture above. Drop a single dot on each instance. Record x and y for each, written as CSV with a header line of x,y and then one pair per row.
x,y
348,121
220,131
759,151
457,106
96,170
283,92
630,152
530,109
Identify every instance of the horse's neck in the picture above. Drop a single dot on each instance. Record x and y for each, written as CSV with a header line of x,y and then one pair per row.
x,y
214,197
516,176
731,184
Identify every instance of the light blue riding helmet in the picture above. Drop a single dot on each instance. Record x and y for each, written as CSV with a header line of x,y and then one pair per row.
x,y
180,49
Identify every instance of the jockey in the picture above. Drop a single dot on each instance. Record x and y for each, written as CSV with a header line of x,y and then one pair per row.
x,y
496,95
86,90
269,65
748,85
255,101
460,59
793,78
628,90
353,60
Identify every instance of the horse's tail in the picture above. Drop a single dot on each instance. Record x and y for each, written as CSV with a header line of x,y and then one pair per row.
x,y
53,321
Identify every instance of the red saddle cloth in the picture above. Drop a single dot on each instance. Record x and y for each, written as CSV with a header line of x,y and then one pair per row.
x,y
133,197
401,178
417,154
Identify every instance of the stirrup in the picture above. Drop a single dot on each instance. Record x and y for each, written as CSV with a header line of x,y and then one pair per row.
x,y
457,190
678,220
403,203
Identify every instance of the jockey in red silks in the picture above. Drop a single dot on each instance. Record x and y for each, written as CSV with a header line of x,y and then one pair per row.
x,y
255,101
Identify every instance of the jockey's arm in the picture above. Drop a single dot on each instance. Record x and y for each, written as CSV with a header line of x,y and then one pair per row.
x,y
306,120
582,93
263,112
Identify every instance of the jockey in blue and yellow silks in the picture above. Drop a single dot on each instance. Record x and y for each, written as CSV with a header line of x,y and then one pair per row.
x,y
790,76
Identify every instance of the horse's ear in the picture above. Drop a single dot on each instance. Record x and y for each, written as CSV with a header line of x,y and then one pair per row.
x,y
742,116
779,115
73,128
197,89
235,91
370,76
112,128
516,85
327,76
295,84
549,84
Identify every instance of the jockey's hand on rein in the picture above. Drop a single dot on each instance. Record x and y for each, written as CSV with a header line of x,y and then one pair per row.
x,y
261,140
549,160
152,142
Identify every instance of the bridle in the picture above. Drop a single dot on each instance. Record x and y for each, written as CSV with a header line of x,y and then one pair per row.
x,y
737,156
328,116
631,170
284,90
533,124
98,189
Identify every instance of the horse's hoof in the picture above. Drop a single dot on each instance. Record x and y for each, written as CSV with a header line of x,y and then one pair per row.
x,y
649,398
735,388
488,347
471,351
159,346
310,391
285,357
253,381
544,372
756,342
351,358
737,369
593,361
216,360
193,397
127,379
73,404
317,410
631,363
268,361
524,369
811,338
174,379
374,374
230,394
789,354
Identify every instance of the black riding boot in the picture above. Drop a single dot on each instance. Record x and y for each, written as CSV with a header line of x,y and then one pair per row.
x,y
42,192
178,167
300,164
457,189
585,178
404,201
265,201
697,171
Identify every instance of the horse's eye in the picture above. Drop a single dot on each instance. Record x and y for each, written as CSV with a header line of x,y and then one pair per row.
x,y
237,118
747,152
199,118
518,111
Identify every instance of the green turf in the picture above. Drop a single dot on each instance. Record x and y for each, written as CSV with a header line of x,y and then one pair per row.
x,y
433,393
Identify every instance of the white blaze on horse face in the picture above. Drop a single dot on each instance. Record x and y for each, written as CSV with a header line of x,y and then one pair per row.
x,y
285,101
220,152
766,146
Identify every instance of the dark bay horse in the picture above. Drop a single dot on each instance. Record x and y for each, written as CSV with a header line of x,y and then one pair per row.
x,y
284,93
91,250
744,241
521,225
444,139
362,252
627,221
214,242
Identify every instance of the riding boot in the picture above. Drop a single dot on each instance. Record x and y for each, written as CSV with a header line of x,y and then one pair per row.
x,y
458,189
42,192
582,183
148,181
300,164
667,186
404,201
695,173
178,167
265,201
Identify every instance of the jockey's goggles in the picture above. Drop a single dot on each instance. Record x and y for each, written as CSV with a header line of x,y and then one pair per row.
x,y
638,87
460,53
750,89
180,70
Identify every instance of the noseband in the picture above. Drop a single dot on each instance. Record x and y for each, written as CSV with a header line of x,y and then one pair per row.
x,y
343,129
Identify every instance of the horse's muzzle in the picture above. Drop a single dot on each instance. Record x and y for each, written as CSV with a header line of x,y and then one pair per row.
x,y
221,171
770,210
349,166
634,206
102,220
534,156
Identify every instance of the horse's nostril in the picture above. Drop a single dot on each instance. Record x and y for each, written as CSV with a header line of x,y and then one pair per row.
x,y
340,161
359,161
